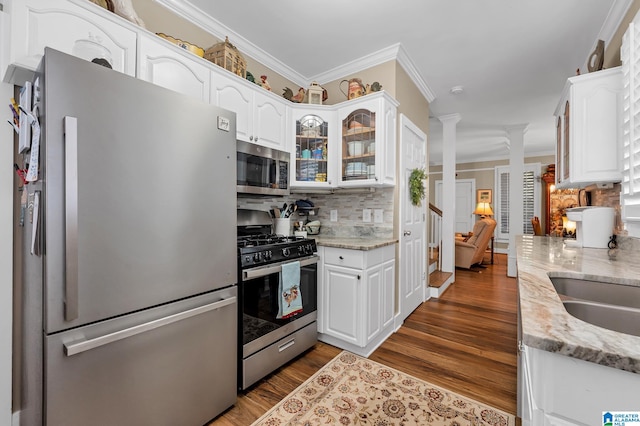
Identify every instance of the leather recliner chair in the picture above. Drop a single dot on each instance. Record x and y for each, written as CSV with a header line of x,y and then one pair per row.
x,y
471,252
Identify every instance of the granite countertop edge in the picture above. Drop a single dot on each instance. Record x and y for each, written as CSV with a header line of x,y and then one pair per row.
x,y
546,325
363,243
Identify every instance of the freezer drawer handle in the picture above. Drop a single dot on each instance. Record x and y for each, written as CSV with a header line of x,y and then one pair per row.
x,y
77,347
71,217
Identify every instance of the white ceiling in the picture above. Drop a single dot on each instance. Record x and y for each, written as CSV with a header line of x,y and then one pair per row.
x,y
511,56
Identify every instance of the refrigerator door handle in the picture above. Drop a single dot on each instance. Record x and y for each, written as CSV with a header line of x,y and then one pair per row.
x,y
71,217
77,347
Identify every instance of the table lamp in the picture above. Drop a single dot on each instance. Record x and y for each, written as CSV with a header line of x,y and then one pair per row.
x,y
483,209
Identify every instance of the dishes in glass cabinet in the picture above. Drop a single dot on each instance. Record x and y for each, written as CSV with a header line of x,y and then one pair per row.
x,y
356,169
355,148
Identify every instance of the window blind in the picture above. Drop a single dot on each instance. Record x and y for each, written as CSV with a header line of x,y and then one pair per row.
x,y
630,56
530,199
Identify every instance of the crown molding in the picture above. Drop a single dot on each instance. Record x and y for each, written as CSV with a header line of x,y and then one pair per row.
x,y
611,24
197,16
185,9
394,52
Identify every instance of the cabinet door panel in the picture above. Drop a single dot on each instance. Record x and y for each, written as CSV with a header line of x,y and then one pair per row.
x,y
374,308
342,288
61,25
270,122
368,141
160,64
388,291
229,93
313,129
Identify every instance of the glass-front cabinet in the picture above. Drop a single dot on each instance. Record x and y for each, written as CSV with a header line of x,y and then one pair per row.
x,y
368,141
347,145
314,148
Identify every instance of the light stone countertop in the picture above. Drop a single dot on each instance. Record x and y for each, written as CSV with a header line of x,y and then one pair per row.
x,y
546,324
368,243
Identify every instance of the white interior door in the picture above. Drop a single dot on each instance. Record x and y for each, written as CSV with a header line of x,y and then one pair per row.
x,y
413,221
465,195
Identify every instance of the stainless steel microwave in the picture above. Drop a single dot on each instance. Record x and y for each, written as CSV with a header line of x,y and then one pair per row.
x,y
262,170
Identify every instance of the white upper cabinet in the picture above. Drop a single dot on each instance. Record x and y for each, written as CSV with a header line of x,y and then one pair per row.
x,y
159,62
227,93
270,120
589,130
69,28
314,156
368,141
261,118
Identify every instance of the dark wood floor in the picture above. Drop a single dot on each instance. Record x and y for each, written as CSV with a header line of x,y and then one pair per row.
x,y
464,341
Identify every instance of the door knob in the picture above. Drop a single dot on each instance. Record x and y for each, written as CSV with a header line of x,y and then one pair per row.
x,y
407,233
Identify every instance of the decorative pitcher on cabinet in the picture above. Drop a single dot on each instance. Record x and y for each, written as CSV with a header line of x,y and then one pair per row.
x,y
355,88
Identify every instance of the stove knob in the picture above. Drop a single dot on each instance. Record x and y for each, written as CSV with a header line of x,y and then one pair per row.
x,y
286,252
268,254
257,257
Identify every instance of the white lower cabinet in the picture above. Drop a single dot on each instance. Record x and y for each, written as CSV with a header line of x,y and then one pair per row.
x,y
161,64
356,299
556,389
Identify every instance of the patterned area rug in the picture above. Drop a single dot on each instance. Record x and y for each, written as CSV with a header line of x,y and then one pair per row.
x,y
351,390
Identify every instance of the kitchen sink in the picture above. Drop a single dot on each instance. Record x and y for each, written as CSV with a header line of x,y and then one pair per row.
x,y
615,318
608,305
598,291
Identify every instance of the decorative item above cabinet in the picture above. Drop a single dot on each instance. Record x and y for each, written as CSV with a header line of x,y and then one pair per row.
x,y
589,130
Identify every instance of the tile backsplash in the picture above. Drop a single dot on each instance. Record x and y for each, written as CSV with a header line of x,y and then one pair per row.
x,y
349,207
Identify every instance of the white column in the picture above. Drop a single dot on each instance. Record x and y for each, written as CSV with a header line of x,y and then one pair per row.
x,y
448,190
516,187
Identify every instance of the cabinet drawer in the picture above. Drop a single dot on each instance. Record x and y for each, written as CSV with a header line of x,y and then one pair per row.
x,y
344,257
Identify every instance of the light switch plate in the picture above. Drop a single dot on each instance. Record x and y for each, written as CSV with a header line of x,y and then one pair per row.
x,y
334,215
366,215
378,215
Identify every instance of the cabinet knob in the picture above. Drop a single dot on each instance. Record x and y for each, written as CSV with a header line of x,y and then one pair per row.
x,y
340,257
358,276
251,137
406,233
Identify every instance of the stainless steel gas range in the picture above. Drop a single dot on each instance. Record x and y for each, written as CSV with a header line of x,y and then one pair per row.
x,y
266,339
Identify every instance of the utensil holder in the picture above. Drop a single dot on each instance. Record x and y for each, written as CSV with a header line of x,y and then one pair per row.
x,y
282,226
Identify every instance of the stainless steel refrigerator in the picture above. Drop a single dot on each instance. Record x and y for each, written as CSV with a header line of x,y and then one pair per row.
x,y
125,294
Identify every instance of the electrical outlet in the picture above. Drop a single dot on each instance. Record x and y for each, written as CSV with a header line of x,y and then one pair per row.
x,y
334,215
366,215
377,215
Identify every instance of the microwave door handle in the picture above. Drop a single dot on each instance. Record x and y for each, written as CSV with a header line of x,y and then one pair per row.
x,y
71,218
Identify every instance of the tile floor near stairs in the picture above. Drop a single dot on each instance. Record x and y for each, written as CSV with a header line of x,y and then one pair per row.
x,y
464,341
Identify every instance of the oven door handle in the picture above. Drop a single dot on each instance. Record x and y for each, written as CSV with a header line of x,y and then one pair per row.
x,y
250,274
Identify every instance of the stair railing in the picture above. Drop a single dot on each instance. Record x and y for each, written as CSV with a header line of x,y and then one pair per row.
x,y
435,236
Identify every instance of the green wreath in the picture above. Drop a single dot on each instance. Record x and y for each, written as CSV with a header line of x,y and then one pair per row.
x,y
416,186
